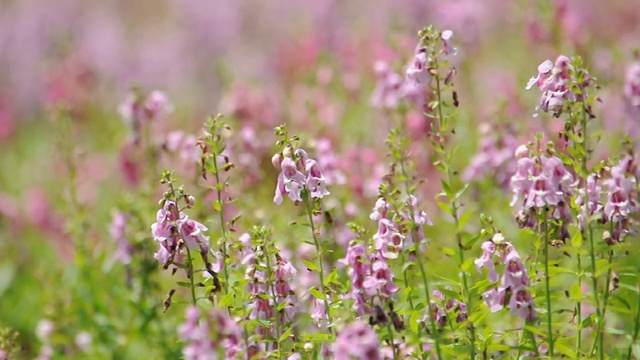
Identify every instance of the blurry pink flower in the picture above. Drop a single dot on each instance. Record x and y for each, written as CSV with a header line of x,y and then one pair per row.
x,y
632,91
418,70
390,87
357,341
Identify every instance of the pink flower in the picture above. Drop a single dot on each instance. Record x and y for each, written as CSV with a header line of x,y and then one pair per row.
x,y
521,303
389,89
555,81
290,182
357,341
418,70
297,176
488,248
388,239
193,234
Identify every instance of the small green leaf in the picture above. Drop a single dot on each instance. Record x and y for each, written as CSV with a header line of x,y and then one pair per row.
x,y
285,335
310,265
317,294
414,321
576,240
575,293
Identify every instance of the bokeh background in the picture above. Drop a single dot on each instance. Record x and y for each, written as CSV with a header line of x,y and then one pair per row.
x,y
309,64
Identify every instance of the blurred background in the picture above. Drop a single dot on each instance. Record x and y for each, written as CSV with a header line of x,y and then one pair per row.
x,y
309,64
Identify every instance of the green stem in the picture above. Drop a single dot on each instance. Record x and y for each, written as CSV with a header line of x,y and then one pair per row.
x,y
222,225
454,208
273,294
191,275
307,203
636,328
436,336
579,308
592,254
547,280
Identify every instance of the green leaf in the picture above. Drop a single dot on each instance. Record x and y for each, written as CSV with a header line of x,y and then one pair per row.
x,y
461,191
575,293
216,206
445,207
285,335
226,300
564,350
332,275
448,251
310,265
446,189
414,321
184,284
576,240
464,218
317,294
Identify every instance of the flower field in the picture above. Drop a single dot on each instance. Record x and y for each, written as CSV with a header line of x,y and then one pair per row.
x,y
324,180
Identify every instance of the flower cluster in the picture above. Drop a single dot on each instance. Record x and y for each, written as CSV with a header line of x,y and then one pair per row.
x,y
441,308
370,277
297,175
555,82
541,181
173,227
514,281
391,88
622,196
264,298
357,341
210,335
419,70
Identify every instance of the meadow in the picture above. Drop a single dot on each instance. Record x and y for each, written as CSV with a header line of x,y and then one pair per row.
x,y
283,180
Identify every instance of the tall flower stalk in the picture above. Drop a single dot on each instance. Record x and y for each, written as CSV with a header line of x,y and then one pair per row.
x,y
214,146
431,58
302,181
